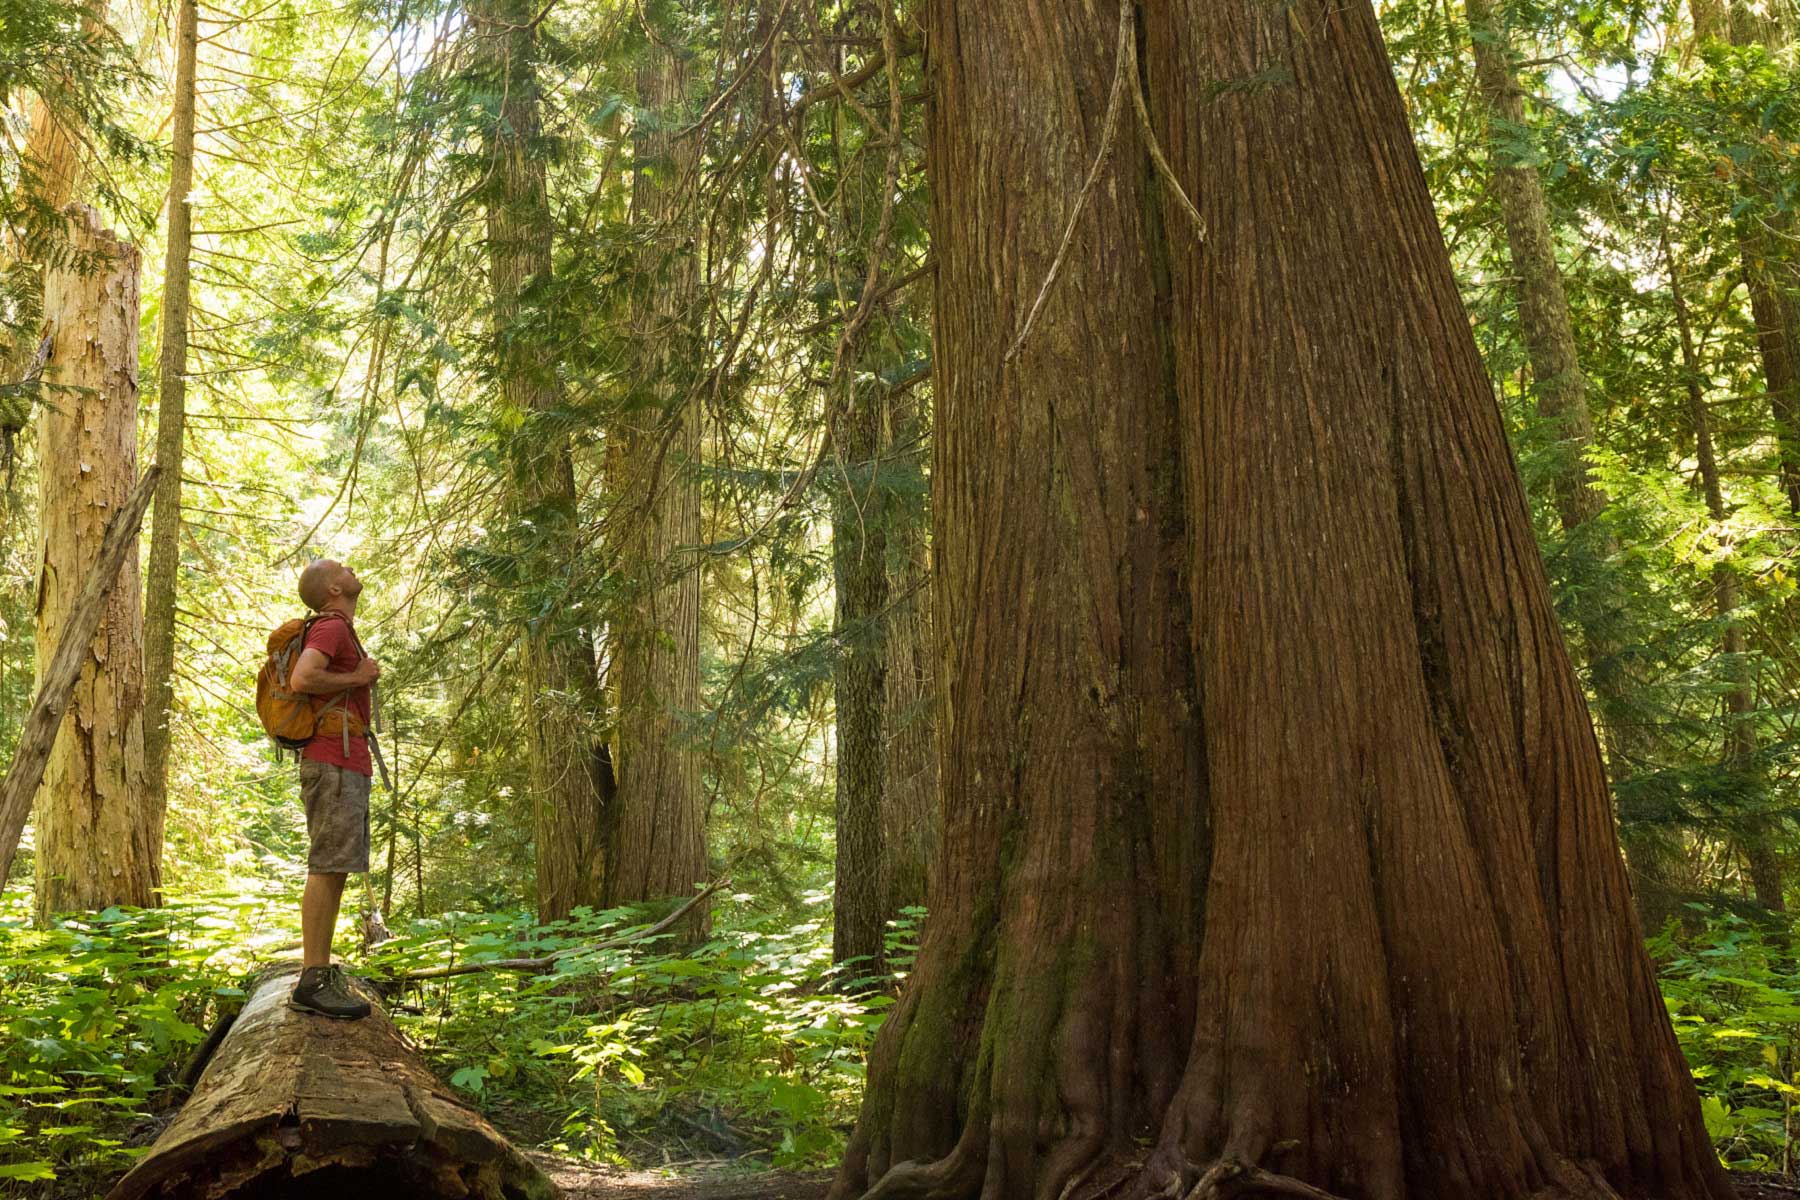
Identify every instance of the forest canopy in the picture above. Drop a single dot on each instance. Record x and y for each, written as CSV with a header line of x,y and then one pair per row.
x,y
1195,599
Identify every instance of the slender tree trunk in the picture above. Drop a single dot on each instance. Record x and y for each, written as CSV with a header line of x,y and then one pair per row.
x,y
1276,832
1559,389
163,576
558,671
860,575
97,839
909,816
656,823
1740,697
1768,265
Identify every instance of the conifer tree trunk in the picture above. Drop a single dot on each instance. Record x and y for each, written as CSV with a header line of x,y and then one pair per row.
x,y
98,840
860,577
655,824
559,684
163,574
1740,697
1769,266
909,816
1559,389
1275,827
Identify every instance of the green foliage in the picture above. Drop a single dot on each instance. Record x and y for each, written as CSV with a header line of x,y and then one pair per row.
x,y
96,1018
743,1043
1733,992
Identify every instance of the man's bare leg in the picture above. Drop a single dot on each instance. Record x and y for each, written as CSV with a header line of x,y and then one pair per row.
x,y
318,917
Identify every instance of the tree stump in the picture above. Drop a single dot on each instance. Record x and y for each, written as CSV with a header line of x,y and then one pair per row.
x,y
295,1105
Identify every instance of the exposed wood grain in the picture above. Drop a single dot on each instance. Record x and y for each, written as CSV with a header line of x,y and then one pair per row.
x,y
294,1104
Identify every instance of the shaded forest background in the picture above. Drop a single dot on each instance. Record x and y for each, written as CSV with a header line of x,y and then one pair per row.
x,y
596,336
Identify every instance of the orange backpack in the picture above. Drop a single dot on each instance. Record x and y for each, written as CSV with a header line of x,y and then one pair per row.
x,y
292,718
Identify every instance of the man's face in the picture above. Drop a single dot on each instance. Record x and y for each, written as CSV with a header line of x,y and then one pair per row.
x,y
348,583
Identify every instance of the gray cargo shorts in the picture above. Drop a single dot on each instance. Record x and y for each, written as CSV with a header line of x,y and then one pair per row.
x,y
337,818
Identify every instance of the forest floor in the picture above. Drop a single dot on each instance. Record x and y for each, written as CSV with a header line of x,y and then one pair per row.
x,y
1757,1187
720,1181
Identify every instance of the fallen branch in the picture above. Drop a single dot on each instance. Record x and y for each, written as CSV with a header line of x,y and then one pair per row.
x,y
547,963
38,735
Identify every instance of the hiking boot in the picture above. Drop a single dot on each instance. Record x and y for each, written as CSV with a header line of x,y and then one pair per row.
x,y
322,990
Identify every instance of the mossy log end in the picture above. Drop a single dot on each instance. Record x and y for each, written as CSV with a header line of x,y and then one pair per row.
x,y
294,1105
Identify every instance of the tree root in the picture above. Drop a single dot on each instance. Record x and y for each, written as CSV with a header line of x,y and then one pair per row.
x,y
1229,1177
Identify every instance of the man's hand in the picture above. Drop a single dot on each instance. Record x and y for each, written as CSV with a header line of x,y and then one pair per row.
x,y
313,675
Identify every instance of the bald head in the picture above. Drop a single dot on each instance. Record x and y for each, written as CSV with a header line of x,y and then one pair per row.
x,y
327,583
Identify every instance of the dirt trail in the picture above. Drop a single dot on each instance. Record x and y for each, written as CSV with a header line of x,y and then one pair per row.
x,y
584,1181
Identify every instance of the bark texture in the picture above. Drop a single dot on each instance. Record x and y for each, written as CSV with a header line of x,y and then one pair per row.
x,y
1276,833
559,693
293,1105
163,573
655,827
860,577
37,735
909,817
98,841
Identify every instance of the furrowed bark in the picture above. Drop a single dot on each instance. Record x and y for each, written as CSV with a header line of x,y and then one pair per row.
x,y
57,682
655,826
1276,832
97,840
909,818
557,668
860,578
163,573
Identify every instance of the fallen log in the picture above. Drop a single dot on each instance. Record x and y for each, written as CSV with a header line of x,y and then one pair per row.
x,y
294,1106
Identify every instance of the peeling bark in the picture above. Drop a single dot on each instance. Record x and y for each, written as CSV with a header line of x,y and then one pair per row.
x,y
1276,833
98,841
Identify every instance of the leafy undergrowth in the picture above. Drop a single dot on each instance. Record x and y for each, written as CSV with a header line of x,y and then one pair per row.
x,y
1733,991
743,1045
96,1018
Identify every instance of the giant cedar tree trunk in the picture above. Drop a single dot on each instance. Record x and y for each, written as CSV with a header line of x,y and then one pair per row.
x,y
163,574
1560,391
1275,828
558,670
98,842
655,826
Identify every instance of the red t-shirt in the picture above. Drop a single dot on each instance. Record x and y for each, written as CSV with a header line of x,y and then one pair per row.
x,y
333,638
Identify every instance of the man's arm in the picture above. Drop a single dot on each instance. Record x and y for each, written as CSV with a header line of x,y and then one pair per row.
x,y
313,675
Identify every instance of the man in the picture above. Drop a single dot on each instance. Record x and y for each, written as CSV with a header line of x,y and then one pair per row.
x,y
335,770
